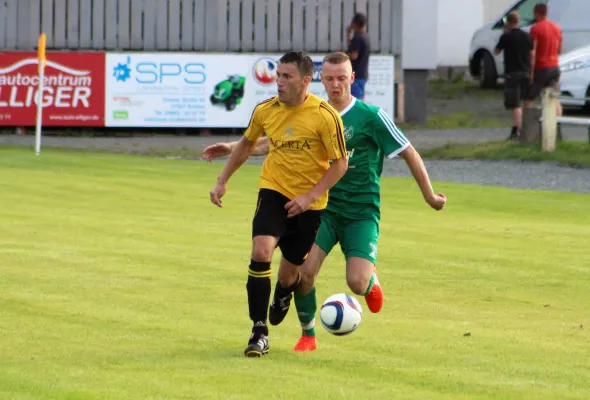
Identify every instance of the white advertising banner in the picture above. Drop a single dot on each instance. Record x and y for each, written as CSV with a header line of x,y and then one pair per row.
x,y
210,90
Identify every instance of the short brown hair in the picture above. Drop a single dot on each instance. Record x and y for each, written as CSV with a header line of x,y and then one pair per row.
x,y
303,62
359,20
512,18
541,9
337,57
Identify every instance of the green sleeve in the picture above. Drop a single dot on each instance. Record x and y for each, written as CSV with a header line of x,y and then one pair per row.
x,y
389,138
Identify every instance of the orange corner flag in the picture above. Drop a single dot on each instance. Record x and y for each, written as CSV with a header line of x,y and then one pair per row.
x,y
41,54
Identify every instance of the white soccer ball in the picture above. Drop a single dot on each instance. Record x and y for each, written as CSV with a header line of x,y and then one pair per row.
x,y
341,314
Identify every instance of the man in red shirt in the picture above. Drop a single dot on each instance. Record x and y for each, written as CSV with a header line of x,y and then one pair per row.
x,y
547,44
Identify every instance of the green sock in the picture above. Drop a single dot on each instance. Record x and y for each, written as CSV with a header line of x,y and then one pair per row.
x,y
371,282
306,308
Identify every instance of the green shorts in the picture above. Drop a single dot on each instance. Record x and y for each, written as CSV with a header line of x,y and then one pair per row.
x,y
358,238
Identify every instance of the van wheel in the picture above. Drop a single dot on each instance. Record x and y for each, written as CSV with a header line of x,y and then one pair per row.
x,y
488,77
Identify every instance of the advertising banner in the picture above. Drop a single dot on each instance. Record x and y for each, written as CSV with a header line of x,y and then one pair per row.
x,y
73,93
209,90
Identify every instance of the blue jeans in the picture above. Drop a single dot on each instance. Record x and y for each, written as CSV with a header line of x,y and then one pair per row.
x,y
358,88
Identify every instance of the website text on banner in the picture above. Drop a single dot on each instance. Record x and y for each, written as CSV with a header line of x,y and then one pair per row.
x,y
73,89
210,90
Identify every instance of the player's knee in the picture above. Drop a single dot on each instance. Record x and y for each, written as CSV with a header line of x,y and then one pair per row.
x,y
357,283
261,252
287,274
307,277
307,280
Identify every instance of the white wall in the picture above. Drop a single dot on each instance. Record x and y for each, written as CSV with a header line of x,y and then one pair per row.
x,y
457,21
419,34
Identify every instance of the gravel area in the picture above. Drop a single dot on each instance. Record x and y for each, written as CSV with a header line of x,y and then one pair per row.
x,y
513,174
421,139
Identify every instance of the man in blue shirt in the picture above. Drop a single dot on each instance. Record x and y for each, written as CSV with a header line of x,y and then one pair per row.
x,y
359,48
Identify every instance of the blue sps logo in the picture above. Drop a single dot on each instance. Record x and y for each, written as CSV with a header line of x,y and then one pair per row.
x,y
156,72
122,72
317,68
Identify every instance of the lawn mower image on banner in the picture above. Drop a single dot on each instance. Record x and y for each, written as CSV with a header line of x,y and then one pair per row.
x,y
229,92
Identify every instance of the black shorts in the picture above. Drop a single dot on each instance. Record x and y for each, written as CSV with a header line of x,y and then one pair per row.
x,y
544,78
296,235
516,87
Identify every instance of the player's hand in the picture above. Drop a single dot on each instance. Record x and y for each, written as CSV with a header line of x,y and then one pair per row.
x,y
437,201
216,194
298,205
215,151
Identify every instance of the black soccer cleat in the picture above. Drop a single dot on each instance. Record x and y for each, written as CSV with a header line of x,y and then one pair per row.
x,y
279,308
257,345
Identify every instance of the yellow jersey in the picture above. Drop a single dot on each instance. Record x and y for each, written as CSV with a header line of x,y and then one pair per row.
x,y
302,140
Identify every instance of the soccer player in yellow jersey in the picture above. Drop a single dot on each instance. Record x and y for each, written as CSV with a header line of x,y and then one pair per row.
x,y
304,133
353,213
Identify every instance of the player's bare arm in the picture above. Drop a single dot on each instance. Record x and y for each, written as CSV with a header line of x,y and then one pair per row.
x,y
418,169
302,203
238,156
222,149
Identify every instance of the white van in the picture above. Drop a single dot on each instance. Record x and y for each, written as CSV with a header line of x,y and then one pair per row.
x,y
575,78
573,16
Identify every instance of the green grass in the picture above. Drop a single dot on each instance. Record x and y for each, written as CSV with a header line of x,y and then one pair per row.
x,y
451,101
119,280
457,120
460,87
567,152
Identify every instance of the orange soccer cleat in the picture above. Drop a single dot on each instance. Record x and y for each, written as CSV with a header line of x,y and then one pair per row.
x,y
305,343
375,297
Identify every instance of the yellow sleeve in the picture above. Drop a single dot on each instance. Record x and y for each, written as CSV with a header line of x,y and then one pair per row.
x,y
332,132
255,128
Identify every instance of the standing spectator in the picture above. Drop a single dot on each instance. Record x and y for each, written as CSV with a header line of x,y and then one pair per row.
x,y
359,48
547,45
517,46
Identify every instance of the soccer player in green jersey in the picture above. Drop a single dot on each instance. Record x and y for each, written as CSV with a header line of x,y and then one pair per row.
x,y
353,212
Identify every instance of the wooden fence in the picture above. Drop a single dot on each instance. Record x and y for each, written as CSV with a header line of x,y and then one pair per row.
x,y
196,25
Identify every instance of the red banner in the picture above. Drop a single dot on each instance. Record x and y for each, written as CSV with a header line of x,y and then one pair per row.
x,y
73,89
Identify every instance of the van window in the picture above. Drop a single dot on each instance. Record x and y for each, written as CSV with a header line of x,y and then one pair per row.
x,y
525,9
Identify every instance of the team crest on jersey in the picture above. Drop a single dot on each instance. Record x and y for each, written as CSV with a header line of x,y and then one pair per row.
x,y
289,131
348,132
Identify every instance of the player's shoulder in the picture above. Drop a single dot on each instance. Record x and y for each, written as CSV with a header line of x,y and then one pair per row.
x,y
367,110
325,109
268,104
372,114
318,103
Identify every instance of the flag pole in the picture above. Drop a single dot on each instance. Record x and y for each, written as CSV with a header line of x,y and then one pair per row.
x,y
42,61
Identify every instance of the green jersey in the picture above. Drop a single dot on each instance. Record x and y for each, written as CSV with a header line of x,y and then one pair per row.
x,y
370,137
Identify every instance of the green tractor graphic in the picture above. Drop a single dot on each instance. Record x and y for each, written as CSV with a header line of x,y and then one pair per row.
x,y
229,92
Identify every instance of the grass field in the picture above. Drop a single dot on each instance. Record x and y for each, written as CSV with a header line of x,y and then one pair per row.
x,y
567,152
120,281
